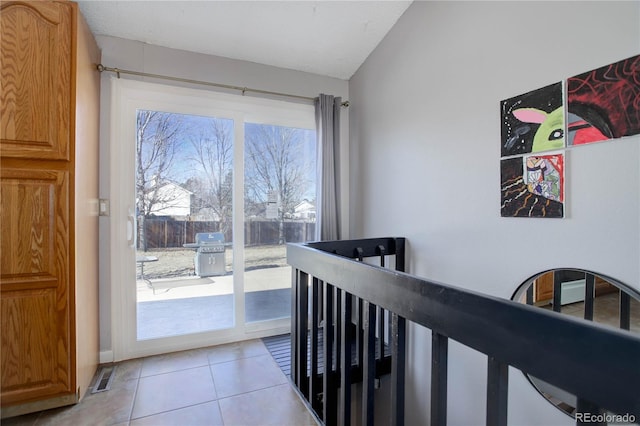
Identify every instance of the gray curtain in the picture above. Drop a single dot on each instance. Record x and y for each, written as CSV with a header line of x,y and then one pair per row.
x,y
328,202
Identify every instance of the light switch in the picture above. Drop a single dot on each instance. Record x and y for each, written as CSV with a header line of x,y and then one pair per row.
x,y
104,207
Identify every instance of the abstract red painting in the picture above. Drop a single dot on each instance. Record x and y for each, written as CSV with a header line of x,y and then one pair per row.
x,y
604,103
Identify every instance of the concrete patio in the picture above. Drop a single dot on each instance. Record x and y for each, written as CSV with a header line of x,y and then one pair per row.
x,y
192,304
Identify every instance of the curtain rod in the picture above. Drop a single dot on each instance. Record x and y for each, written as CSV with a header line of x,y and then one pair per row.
x,y
244,90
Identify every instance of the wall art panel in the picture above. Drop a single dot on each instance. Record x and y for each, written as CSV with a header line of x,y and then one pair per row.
x,y
533,186
604,103
533,122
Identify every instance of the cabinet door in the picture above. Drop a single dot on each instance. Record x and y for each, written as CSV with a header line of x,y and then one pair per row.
x,y
544,287
36,80
34,284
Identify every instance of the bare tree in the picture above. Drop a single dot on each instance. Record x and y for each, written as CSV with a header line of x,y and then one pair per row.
x,y
213,150
158,136
275,163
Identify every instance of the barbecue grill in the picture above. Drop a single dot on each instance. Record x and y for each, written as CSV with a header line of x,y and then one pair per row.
x,y
209,258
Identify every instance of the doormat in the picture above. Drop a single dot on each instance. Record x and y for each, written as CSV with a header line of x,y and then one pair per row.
x,y
280,349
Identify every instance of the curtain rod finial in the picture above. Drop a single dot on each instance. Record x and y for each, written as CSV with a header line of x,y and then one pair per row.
x,y
345,104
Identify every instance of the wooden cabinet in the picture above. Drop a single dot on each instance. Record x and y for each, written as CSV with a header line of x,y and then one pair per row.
x,y
36,72
543,288
49,100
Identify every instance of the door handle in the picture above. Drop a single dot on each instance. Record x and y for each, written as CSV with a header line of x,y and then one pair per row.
x,y
131,226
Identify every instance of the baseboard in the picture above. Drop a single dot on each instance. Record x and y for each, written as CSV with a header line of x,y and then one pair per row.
x,y
106,357
572,292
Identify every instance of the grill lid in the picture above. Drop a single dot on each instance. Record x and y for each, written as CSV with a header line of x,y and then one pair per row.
x,y
209,238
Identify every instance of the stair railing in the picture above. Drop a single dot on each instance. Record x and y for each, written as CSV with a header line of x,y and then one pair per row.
x,y
339,337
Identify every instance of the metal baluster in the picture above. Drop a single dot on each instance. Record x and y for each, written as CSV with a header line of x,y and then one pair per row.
x,y
497,392
295,333
439,362
369,366
381,251
303,335
360,332
400,254
345,359
557,292
315,381
625,311
589,294
530,295
398,358
329,386
380,328
338,332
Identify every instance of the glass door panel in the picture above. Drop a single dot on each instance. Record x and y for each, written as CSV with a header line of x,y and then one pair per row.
x,y
184,245
279,207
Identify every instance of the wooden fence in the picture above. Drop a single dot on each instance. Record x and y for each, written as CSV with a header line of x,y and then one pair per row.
x,y
167,233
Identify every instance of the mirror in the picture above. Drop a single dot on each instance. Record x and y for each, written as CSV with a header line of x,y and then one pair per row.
x,y
581,294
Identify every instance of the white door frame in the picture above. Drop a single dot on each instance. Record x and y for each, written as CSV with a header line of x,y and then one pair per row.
x,y
126,97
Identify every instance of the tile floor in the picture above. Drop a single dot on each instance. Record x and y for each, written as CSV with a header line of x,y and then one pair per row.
x,y
237,384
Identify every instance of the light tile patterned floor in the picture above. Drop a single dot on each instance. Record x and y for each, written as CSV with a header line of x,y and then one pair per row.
x,y
237,384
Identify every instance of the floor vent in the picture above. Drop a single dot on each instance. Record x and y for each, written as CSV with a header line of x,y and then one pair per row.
x,y
105,377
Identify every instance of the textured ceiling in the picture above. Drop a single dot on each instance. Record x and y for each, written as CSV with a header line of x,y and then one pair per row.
x,y
331,38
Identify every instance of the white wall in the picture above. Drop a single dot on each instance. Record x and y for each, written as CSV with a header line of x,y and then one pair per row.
x,y
425,150
136,56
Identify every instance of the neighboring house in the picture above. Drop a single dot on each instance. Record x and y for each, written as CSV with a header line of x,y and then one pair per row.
x,y
172,200
304,210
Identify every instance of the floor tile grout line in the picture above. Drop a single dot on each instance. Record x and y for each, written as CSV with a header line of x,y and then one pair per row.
x,y
193,367
215,388
252,390
170,372
238,359
213,380
209,363
135,395
174,409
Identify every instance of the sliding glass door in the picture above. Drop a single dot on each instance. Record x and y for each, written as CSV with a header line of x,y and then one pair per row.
x,y
206,190
279,207
184,206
